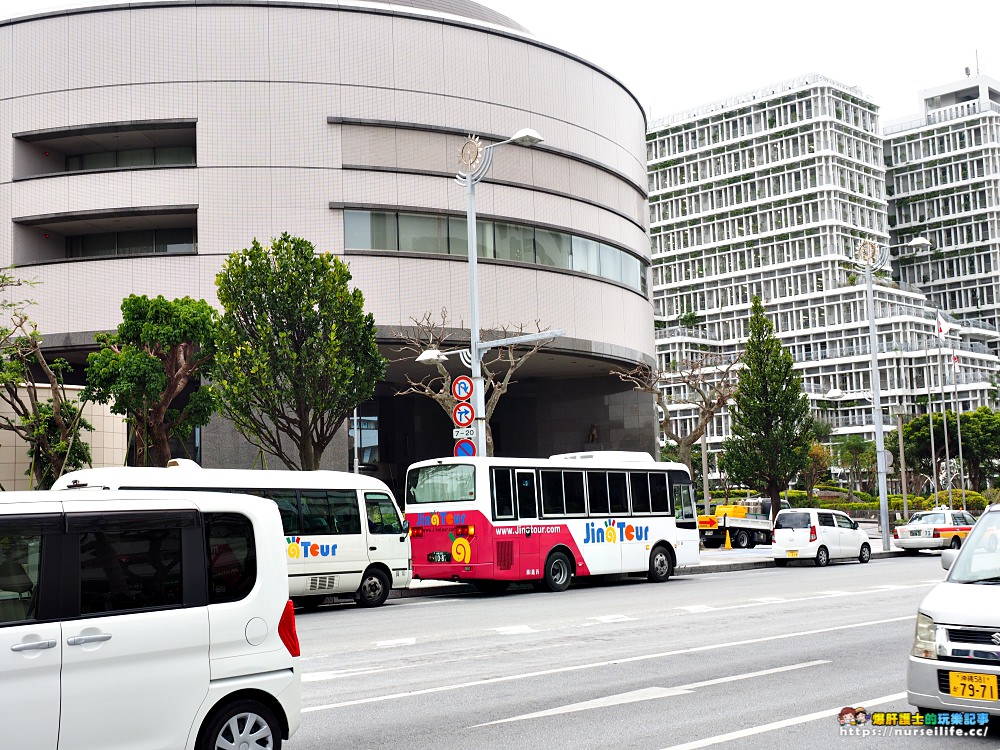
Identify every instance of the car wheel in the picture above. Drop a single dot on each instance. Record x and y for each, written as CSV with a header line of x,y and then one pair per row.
x,y
741,540
309,603
491,587
558,572
822,557
866,554
781,563
955,542
661,565
374,589
246,724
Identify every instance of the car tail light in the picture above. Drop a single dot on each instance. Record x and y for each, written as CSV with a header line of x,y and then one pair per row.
x,y
774,537
812,534
286,629
895,533
417,531
936,534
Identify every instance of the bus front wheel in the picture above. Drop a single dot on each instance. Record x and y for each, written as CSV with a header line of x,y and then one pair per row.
x,y
374,589
660,565
558,572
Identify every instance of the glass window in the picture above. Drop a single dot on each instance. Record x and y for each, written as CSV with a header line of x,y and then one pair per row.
x,y
552,248
659,499
684,503
136,157
503,494
446,483
611,263
134,243
844,522
232,556
130,561
458,237
515,243
423,234
618,492
21,539
74,163
94,245
826,519
586,256
330,512
288,507
639,485
552,493
631,270
597,491
382,515
576,503
175,155
527,506
100,160
370,230
180,240
792,521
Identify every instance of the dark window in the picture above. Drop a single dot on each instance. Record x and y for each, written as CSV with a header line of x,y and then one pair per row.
x,y
288,507
576,502
232,556
844,522
617,492
21,541
639,485
552,493
792,521
527,506
597,490
130,561
382,515
330,512
659,500
503,494
826,519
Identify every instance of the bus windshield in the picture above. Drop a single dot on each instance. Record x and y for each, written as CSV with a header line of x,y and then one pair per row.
x,y
444,483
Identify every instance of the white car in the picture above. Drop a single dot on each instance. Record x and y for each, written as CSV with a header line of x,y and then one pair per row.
x,y
940,528
955,661
819,535
137,619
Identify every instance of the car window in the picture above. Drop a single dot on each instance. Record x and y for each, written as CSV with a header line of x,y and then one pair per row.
x,y
21,540
330,512
232,556
826,519
792,521
844,522
382,516
932,519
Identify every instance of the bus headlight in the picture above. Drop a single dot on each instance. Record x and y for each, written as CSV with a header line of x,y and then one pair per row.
x,y
924,638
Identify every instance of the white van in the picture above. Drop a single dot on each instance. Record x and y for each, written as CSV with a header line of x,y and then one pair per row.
x,y
819,535
343,533
144,621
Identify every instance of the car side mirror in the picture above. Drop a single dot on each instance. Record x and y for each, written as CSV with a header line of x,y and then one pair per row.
x,y
406,526
855,524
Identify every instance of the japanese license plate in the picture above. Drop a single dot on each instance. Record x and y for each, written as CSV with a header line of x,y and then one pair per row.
x,y
792,553
981,687
439,557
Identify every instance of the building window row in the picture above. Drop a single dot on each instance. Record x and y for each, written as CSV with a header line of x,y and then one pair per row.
x,y
956,138
133,158
447,235
182,240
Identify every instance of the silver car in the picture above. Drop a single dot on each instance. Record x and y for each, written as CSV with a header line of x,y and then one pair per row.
x,y
955,661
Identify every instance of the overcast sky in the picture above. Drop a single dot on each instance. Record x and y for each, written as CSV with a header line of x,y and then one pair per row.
x,y
676,55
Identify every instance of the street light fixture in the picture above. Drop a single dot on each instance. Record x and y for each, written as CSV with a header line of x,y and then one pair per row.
x,y
477,160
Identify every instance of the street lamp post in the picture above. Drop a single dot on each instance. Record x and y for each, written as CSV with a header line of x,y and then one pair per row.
x,y
871,256
478,160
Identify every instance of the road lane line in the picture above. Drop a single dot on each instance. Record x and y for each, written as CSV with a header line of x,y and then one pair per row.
x,y
647,694
601,664
782,724
515,630
395,643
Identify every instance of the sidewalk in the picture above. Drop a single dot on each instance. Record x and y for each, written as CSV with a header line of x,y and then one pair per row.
x,y
712,561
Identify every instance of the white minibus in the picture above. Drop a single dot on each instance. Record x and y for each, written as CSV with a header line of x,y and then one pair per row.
x,y
343,532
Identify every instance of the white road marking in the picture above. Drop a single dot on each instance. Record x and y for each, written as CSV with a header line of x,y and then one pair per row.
x,y
339,673
834,593
427,600
698,608
647,694
891,587
515,630
395,643
770,599
602,664
611,618
761,729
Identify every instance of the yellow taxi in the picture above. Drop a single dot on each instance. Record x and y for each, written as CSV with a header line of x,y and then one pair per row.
x,y
938,528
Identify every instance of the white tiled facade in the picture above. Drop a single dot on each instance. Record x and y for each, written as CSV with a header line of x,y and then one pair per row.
x,y
770,194
944,186
302,112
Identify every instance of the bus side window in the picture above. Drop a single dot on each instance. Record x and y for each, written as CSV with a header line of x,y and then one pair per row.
x,y
552,493
597,492
659,500
346,516
527,504
503,494
576,500
618,492
639,486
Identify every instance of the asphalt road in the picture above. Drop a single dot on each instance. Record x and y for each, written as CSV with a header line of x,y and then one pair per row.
x,y
760,658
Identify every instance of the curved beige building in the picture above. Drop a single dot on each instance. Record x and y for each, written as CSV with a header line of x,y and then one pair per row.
x,y
147,142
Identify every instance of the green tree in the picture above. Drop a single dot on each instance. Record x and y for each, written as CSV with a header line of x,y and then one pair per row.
x,y
817,466
980,445
161,348
771,427
296,350
50,426
858,455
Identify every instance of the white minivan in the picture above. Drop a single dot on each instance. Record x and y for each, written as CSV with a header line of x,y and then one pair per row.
x,y
140,620
344,536
819,535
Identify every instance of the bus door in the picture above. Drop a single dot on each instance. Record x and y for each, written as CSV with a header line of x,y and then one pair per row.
x,y
388,542
686,515
527,512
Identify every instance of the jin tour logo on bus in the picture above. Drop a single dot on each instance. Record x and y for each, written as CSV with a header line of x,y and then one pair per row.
x,y
440,519
612,532
299,547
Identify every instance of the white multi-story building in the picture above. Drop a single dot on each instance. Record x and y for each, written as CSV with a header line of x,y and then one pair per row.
x,y
944,187
770,194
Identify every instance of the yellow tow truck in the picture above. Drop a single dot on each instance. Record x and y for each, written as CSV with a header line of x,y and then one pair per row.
x,y
747,521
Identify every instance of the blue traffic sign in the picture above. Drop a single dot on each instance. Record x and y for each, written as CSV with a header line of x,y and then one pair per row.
x,y
465,448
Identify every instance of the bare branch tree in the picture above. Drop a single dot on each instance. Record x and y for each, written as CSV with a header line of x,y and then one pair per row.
x,y
708,384
499,364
